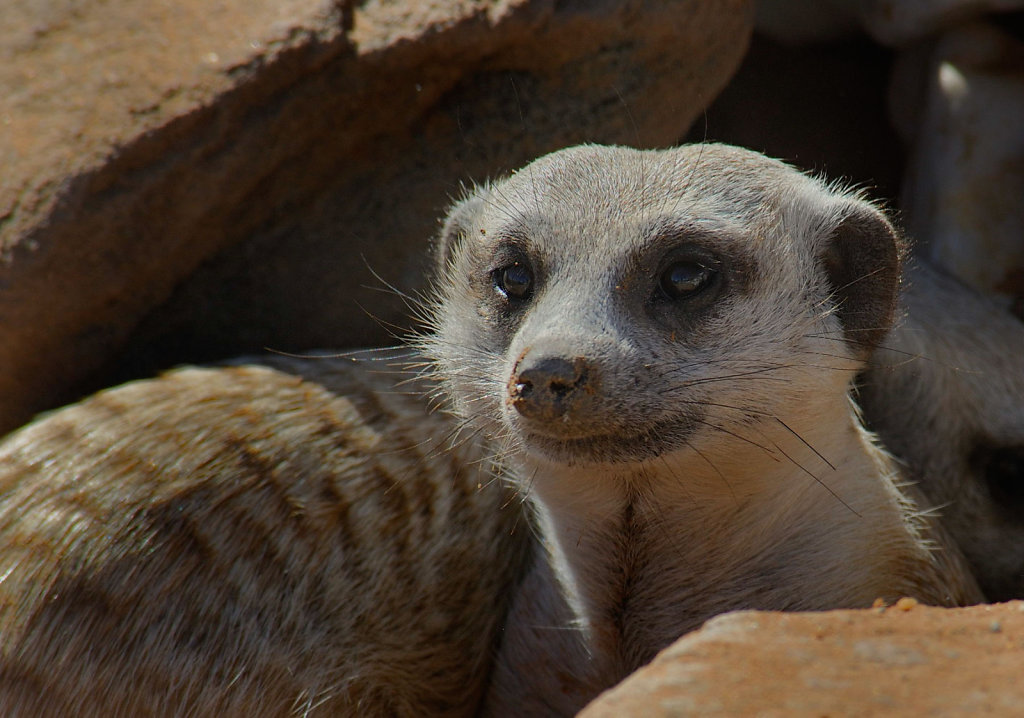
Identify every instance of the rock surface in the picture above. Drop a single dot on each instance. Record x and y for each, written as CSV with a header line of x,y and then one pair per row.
x,y
271,152
907,659
965,180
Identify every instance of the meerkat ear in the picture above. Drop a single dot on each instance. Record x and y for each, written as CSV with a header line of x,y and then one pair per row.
x,y
863,259
456,227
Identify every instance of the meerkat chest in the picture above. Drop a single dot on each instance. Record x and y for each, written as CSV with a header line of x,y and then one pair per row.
x,y
661,563
656,574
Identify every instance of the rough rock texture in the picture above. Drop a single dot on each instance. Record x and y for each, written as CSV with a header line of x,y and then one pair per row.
x,y
965,180
314,139
904,660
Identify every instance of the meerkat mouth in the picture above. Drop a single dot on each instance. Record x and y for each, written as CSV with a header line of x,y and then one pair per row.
x,y
629,445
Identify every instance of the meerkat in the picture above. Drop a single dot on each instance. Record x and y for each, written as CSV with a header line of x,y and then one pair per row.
x,y
661,346
645,360
945,395
287,539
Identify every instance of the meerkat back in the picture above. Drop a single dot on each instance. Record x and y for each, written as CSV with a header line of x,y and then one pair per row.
x,y
245,540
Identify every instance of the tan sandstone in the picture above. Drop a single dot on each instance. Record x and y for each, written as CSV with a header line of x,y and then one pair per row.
x,y
906,659
184,181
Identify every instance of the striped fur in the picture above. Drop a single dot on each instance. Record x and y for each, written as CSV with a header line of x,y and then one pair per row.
x,y
250,541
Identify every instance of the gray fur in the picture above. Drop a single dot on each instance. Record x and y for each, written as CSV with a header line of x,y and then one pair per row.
x,y
945,395
287,538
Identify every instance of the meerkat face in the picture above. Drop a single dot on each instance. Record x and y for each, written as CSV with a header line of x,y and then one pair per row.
x,y
607,305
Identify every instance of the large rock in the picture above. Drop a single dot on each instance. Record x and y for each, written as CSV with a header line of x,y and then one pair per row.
x,y
904,660
189,181
965,182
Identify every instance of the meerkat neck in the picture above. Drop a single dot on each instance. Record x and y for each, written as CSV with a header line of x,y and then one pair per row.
x,y
644,553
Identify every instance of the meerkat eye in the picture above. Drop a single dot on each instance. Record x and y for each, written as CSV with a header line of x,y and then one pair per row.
x,y
514,281
684,279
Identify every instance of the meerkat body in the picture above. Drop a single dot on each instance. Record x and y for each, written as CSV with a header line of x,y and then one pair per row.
x,y
662,345
945,395
248,541
653,350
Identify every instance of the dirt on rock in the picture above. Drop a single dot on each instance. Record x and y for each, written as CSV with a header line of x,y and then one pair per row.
x,y
907,659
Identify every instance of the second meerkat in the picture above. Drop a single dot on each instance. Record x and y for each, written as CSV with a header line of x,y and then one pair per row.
x,y
662,344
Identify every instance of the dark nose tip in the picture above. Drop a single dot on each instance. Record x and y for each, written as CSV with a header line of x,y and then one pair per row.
x,y
547,387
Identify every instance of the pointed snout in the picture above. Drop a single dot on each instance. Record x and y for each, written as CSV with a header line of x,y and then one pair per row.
x,y
545,387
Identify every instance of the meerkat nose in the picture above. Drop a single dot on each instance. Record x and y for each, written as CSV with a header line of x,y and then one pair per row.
x,y
547,387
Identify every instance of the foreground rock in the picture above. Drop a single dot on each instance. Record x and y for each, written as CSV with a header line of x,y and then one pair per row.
x,y
907,659
313,138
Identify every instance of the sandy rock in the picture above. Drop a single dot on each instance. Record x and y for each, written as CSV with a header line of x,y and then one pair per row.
x,y
966,178
189,181
128,132
907,659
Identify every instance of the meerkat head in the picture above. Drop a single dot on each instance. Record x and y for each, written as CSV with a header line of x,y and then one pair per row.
x,y
606,305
